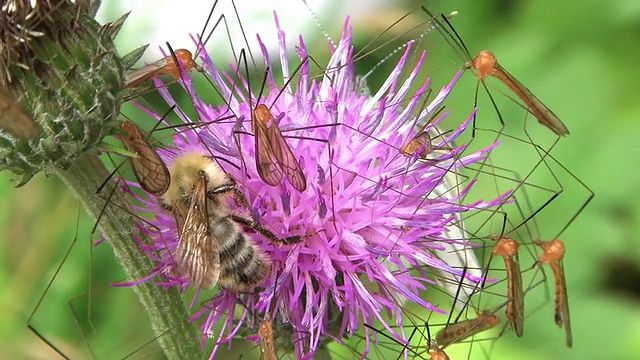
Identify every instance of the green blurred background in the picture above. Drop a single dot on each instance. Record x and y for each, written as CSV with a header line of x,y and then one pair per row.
x,y
581,61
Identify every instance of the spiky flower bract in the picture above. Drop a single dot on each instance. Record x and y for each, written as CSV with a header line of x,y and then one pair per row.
x,y
369,216
61,82
61,67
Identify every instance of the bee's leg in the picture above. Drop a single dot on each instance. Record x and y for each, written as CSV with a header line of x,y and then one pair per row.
x,y
266,232
231,186
224,188
240,198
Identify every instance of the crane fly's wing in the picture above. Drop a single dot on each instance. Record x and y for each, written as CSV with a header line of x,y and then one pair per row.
x,y
562,309
518,297
286,158
461,330
151,172
133,78
198,256
268,167
536,107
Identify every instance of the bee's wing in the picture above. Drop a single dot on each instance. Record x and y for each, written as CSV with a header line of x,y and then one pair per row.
x,y
151,172
198,255
285,157
268,167
179,213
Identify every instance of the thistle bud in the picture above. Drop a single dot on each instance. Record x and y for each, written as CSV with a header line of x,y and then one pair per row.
x,y
59,83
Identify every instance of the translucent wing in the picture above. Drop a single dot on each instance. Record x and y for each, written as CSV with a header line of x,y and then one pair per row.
x,y
287,160
457,332
508,249
487,65
134,78
150,171
198,255
281,151
164,66
268,167
562,317
517,300
553,252
537,108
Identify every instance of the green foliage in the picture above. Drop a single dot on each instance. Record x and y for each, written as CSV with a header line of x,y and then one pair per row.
x,y
581,61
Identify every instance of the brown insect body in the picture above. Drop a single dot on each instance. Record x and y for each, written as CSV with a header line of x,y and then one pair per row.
x,y
14,120
267,344
487,65
420,141
274,158
437,353
164,66
212,248
508,249
149,169
553,252
456,332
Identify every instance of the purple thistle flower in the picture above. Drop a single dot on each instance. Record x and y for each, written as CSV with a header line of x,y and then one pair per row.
x,y
369,215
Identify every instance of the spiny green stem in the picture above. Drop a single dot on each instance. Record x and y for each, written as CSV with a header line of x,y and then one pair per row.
x,y
169,316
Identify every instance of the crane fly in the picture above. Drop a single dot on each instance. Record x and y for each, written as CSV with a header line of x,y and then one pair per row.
x,y
267,344
274,158
421,145
164,66
553,252
436,353
456,332
149,169
14,120
508,249
487,65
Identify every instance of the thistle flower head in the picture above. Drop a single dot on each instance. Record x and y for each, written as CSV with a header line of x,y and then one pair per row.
x,y
370,213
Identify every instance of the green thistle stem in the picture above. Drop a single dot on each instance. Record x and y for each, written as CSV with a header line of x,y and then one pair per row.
x,y
169,316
